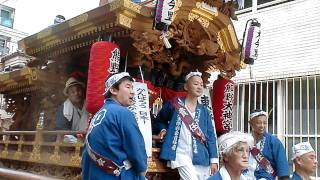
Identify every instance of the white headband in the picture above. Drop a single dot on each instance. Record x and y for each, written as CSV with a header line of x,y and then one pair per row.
x,y
228,140
114,79
259,113
301,149
191,74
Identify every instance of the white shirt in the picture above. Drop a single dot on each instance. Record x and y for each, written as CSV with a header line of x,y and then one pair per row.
x,y
78,116
184,148
252,165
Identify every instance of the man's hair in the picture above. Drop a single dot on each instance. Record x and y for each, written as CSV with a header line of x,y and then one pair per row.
x,y
231,150
234,147
117,84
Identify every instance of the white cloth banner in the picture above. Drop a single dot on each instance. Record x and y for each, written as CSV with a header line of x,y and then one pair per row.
x,y
140,109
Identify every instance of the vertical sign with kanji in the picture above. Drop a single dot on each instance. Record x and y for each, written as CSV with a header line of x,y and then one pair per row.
x,y
165,11
252,42
140,109
228,106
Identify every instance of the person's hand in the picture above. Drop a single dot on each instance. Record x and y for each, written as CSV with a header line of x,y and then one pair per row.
x,y
214,168
162,133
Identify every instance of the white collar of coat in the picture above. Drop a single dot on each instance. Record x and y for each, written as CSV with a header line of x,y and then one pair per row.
x,y
225,175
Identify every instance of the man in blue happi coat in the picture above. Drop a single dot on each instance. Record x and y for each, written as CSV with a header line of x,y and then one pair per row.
x,y
115,147
267,158
189,136
305,161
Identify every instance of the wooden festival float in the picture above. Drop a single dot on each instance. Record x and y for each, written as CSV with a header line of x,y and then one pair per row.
x,y
202,37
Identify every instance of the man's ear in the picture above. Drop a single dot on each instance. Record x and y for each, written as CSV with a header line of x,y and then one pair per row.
x,y
298,160
113,91
185,87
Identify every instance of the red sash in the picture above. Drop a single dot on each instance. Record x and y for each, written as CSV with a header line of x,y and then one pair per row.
x,y
187,119
262,161
106,164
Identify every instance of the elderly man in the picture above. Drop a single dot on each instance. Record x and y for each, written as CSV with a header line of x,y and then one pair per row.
x,y
189,136
72,115
267,158
305,161
234,152
115,148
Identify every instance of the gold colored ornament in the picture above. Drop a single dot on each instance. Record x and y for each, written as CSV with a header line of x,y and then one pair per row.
x,y
5,152
204,22
219,40
17,155
35,155
124,20
152,166
75,160
114,5
132,6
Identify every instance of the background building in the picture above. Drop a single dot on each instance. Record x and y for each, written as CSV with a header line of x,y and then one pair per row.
x,y
285,79
9,37
9,57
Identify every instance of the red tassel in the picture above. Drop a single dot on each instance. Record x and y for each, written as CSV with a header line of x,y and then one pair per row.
x,y
99,69
222,104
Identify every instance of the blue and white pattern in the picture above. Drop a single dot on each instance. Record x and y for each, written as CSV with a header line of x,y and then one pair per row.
x,y
169,119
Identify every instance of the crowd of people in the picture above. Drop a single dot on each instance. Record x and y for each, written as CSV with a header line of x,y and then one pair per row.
x,y
115,149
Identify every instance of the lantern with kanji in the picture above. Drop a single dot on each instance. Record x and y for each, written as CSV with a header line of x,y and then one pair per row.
x,y
251,41
222,104
104,60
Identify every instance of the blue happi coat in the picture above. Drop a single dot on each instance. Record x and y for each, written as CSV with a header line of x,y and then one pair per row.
x,y
216,176
168,119
115,135
223,174
296,176
274,151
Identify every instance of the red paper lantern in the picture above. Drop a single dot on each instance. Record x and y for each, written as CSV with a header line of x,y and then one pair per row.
x,y
104,60
222,104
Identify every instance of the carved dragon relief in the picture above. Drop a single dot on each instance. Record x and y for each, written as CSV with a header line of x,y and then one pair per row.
x,y
194,47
